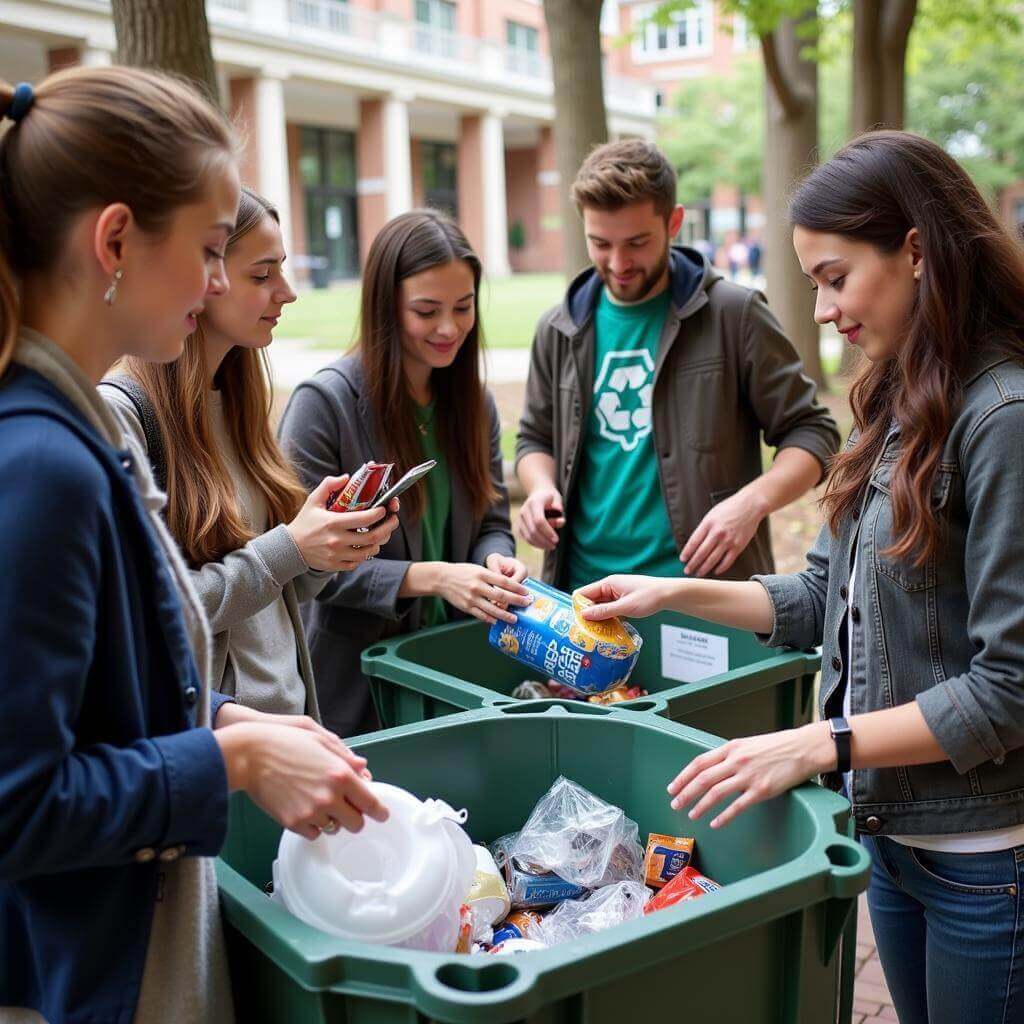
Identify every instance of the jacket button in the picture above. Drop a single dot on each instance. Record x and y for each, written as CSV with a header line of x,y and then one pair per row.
x,y
665,455
190,694
873,824
837,664
855,613
171,854
145,855
856,513
568,466
126,463
844,593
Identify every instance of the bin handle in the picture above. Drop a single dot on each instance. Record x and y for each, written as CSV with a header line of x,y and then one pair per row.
x,y
849,863
480,980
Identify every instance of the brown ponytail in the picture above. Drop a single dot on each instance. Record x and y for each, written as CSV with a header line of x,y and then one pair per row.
x,y
92,137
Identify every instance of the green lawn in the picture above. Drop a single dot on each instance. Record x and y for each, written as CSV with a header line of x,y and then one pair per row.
x,y
510,308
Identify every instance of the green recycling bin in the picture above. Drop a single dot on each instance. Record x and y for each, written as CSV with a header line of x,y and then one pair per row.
x,y
773,945
712,677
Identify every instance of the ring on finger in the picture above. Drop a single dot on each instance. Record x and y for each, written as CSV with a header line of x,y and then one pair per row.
x,y
330,828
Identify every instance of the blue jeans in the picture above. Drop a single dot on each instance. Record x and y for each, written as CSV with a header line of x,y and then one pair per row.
x,y
950,932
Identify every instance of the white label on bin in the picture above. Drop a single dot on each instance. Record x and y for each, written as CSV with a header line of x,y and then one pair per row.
x,y
690,656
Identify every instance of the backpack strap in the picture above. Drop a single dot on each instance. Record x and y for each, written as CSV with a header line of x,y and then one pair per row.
x,y
147,415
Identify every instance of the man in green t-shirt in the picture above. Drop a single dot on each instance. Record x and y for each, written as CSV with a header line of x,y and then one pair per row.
x,y
651,388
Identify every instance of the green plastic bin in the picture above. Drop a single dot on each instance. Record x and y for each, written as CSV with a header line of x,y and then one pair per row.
x,y
452,668
766,948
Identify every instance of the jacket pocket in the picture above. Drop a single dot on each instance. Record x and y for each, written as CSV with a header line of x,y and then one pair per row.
x,y
699,395
902,571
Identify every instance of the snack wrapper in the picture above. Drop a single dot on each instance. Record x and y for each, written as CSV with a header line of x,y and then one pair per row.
x,y
551,636
363,486
666,856
689,884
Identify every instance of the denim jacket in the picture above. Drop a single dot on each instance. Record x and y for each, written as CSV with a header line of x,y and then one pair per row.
x,y
949,634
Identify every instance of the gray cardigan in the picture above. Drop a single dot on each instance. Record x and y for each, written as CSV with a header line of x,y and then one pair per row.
x,y
244,582
328,428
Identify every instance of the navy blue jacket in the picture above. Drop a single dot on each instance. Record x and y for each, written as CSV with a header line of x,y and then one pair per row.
x,y
101,768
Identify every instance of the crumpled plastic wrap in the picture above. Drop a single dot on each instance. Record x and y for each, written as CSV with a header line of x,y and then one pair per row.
x,y
581,838
601,909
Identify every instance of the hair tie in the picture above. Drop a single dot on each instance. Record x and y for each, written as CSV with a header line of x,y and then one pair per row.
x,y
24,94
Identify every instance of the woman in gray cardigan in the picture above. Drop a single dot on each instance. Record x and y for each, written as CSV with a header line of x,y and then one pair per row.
x,y
257,545
411,391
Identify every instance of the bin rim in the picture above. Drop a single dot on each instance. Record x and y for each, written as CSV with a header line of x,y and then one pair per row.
x,y
385,661
443,986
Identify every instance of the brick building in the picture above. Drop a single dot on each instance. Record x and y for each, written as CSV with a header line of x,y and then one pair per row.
x,y
355,110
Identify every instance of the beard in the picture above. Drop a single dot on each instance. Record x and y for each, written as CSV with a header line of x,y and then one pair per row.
x,y
639,289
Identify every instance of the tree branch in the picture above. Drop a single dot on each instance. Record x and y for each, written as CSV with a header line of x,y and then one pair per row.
x,y
788,98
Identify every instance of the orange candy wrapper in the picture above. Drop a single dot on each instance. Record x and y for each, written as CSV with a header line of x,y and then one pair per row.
x,y
689,884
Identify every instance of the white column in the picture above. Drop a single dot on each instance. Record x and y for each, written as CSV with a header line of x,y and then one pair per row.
x,y
272,148
492,139
397,156
94,57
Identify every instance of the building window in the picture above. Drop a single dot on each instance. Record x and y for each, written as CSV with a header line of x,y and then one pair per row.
x,y
332,15
522,54
687,34
435,32
327,166
440,163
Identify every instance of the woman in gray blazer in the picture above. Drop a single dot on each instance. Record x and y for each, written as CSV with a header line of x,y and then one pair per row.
x,y
410,391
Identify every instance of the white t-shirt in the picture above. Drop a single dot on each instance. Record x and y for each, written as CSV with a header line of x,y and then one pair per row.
x,y
990,841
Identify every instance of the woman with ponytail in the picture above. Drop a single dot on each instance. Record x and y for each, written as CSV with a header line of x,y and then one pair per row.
x,y
915,584
118,192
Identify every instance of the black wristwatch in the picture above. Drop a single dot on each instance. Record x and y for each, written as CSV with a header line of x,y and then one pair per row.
x,y
841,733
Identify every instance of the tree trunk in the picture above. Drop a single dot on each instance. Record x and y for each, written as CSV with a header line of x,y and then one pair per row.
x,y
881,30
791,141
580,123
171,36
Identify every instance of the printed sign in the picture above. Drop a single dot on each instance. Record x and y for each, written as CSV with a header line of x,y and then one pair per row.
x,y
689,656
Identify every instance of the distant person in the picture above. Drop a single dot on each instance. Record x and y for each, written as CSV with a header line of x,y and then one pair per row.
x,y
738,258
755,253
651,387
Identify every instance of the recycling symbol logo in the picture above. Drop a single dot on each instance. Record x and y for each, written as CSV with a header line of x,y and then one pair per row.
x,y
622,397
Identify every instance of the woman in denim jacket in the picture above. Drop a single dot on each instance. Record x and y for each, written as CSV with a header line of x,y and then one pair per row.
x,y
914,586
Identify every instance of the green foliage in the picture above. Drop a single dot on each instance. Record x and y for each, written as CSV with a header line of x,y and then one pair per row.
x,y
714,133
969,97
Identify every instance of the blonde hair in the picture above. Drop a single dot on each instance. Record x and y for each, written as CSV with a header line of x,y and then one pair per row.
x,y
619,174
204,513
92,137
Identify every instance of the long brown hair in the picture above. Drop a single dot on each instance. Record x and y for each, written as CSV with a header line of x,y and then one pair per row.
x,y
970,297
407,245
92,137
204,512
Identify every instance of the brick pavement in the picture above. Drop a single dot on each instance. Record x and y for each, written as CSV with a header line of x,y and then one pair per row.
x,y
872,1003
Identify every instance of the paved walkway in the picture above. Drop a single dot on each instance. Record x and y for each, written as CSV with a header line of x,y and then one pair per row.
x,y
872,1003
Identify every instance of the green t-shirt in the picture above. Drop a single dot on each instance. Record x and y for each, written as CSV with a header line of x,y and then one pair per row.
x,y
618,520
436,545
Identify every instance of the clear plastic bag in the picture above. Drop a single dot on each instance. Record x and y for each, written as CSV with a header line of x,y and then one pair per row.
x,y
580,837
601,909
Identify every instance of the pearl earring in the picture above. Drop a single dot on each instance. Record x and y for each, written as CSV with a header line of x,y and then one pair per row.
x,y
111,293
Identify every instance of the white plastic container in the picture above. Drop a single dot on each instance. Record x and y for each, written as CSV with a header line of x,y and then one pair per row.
x,y
397,883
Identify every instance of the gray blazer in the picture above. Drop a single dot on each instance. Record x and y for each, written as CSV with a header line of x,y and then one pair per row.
x,y
328,428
